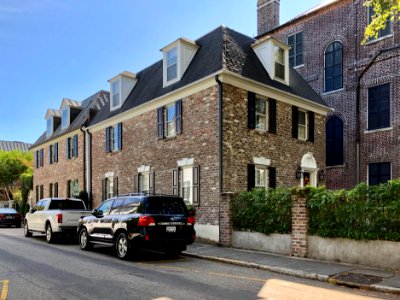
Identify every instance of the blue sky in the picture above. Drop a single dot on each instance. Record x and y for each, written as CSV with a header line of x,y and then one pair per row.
x,y
51,49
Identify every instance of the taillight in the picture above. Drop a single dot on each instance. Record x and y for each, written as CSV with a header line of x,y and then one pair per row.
x,y
59,218
1,216
191,221
146,221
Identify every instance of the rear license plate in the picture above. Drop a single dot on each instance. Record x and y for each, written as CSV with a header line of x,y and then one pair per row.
x,y
171,228
9,217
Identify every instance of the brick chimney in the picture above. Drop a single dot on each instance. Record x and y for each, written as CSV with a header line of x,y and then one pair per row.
x,y
267,15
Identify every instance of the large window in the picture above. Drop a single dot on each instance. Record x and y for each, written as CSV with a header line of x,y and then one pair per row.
x,y
334,141
261,113
379,107
334,67
302,124
382,32
279,62
379,173
295,41
169,120
71,144
186,183
172,64
260,176
144,182
73,188
110,187
114,138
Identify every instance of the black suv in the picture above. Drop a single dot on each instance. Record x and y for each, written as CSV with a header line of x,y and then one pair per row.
x,y
134,221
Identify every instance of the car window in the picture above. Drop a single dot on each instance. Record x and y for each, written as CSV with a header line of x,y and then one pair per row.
x,y
130,206
44,203
116,207
165,206
38,205
7,211
64,204
105,207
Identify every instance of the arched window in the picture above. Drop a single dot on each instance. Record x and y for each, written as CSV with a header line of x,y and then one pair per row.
x,y
334,141
334,67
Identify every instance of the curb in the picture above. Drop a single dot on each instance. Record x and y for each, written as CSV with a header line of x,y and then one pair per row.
x,y
296,273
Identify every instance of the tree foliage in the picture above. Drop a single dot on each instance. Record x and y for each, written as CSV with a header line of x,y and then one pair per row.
x,y
383,10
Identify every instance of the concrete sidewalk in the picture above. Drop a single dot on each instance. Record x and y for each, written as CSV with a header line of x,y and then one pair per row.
x,y
338,273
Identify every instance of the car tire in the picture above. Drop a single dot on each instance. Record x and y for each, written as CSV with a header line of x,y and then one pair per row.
x,y
173,252
50,236
27,232
122,246
84,241
18,225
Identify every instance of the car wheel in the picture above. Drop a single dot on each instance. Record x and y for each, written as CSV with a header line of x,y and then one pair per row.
x,y
173,252
49,234
122,246
18,225
84,241
27,233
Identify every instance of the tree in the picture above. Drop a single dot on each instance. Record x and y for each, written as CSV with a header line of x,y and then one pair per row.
x,y
383,10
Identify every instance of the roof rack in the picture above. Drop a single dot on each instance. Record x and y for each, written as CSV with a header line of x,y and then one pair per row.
x,y
145,194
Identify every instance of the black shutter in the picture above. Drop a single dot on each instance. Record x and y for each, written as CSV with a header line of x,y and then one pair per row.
x,y
136,183
196,185
152,177
251,176
103,189
311,125
41,157
119,136
175,182
37,159
67,148
271,177
55,152
55,189
272,116
115,186
160,123
68,188
251,110
295,122
108,130
50,155
75,153
178,118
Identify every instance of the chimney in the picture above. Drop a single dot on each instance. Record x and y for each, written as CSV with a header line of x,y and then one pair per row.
x,y
267,15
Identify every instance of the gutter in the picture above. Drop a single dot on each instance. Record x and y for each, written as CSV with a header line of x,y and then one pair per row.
x,y
358,115
89,171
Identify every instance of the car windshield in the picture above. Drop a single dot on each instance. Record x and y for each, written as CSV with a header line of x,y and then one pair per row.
x,y
66,204
7,211
165,206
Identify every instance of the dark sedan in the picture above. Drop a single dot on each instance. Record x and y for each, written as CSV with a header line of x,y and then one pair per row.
x,y
9,216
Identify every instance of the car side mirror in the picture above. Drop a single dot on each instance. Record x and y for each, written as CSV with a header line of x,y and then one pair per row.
x,y
32,210
94,212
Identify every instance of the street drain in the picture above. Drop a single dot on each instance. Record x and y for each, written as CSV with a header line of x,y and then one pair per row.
x,y
356,280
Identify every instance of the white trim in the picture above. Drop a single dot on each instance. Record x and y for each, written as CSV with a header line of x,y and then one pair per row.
x,y
185,162
108,174
261,161
143,169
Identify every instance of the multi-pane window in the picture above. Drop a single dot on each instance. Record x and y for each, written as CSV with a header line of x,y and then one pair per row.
x,y
65,117
334,67
379,173
49,128
261,113
384,31
72,146
73,188
169,120
116,99
144,182
172,64
261,177
279,62
114,138
186,183
110,185
295,41
379,107
302,125
334,141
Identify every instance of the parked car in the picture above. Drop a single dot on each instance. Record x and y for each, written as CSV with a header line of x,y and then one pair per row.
x,y
55,216
138,221
9,216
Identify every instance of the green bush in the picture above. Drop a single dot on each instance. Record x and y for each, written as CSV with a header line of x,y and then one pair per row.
x,y
262,211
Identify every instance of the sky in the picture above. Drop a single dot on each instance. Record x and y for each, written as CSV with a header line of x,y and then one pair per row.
x,y
55,49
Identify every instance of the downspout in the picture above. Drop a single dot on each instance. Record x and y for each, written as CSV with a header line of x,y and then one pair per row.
x,y
358,93
220,174
89,168
84,156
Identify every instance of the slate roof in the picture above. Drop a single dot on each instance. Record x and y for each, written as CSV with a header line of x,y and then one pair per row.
x,y
88,106
10,146
222,48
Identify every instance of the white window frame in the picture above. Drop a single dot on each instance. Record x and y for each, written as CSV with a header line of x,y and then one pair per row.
x,y
109,188
277,50
186,186
114,138
114,93
49,126
264,115
65,121
305,126
144,182
172,65
264,182
172,123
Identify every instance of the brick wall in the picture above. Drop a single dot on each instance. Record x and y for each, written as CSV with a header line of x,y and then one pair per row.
x,y
345,22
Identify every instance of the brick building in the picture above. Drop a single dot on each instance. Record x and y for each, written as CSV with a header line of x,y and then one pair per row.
x,y
359,82
214,116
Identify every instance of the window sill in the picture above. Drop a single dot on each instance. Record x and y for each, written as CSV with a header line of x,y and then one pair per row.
x,y
378,39
378,130
336,167
298,67
332,92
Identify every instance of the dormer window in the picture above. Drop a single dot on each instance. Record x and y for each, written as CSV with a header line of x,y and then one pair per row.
x,y
65,117
120,88
274,55
49,127
176,59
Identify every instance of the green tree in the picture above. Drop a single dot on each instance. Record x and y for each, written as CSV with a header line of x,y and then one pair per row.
x,y
383,10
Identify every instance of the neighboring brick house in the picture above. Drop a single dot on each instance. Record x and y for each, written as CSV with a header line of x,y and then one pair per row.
x,y
59,153
219,115
360,83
